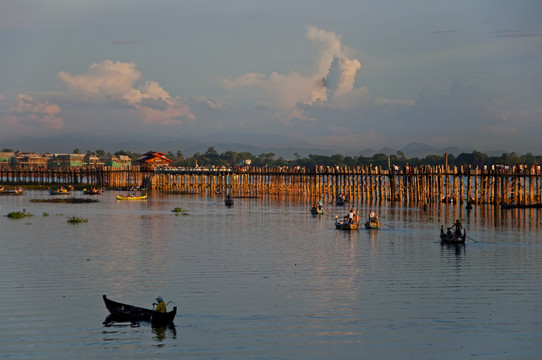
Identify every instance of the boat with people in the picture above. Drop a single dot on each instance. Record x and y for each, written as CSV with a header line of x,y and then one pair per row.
x,y
61,191
131,197
372,222
452,237
92,191
18,191
340,200
125,312
347,223
317,209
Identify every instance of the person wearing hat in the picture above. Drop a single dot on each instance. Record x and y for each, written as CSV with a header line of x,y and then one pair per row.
x,y
161,306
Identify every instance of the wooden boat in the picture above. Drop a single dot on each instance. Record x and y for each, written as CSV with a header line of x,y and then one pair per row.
x,y
317,210
450,237
131,197
92,191
60,191
18,191
125,312
344,224
520,206
372,223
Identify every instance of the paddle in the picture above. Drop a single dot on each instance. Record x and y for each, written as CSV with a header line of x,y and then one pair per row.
x,y
468,237
388,225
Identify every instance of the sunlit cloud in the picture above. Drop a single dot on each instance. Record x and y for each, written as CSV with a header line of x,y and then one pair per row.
x,y
37,113
332,83
116,81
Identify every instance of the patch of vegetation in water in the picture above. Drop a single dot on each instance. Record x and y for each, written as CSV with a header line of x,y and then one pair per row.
x,y
66,201
179,211
18,214
76,220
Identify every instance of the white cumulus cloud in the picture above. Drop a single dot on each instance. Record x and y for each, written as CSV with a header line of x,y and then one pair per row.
x,y
332,83
117,81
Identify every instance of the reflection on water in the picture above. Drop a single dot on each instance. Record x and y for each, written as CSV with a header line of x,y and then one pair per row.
x,y
265,279
117,330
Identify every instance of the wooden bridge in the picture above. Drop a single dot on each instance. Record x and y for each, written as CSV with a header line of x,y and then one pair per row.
x,y
422,185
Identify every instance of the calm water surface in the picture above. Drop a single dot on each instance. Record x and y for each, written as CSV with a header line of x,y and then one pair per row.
x,y
266,280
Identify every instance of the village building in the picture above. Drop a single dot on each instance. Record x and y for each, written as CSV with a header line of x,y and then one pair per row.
x,y
152,160
28,160
116,161
92,160
57,161
6,158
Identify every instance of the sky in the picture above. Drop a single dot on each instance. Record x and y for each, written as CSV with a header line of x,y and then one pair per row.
x,y
349,74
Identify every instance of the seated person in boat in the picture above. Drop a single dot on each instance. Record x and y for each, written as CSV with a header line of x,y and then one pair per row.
x,y
372,216
457,226
161,306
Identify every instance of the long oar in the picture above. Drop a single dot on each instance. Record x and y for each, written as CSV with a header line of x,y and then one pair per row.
x,y
388,225
468,237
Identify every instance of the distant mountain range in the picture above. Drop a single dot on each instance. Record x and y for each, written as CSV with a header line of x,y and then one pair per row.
x,y
281,146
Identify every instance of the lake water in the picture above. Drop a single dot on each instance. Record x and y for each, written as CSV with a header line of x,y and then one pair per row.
x,y
266,280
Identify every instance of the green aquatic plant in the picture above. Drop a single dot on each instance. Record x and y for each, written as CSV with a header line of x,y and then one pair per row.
x,y
76,220
18,214
45,214
179,210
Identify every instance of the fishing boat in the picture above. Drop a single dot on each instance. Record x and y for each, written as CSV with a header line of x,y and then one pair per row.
x,y
317,209
346,224
61,191
92,191
125,312
450,237
18,191
131,197
372,223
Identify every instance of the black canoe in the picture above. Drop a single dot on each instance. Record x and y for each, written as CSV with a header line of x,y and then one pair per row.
x,y
449,237
124,312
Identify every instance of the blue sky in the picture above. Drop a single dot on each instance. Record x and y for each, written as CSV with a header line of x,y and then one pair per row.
x,y
351,74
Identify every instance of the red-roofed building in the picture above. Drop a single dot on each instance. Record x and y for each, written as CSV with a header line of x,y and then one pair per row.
x,y
153,160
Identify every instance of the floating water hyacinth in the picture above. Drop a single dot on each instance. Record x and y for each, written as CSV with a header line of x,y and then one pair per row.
x,y
179,210
76,220
18,214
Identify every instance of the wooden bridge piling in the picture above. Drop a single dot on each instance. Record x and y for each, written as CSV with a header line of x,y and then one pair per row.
x,y
421,185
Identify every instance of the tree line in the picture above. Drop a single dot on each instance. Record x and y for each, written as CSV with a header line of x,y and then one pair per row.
x,y
231,158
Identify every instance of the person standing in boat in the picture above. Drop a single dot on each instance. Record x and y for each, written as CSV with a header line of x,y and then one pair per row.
x,y
161,306
457,226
